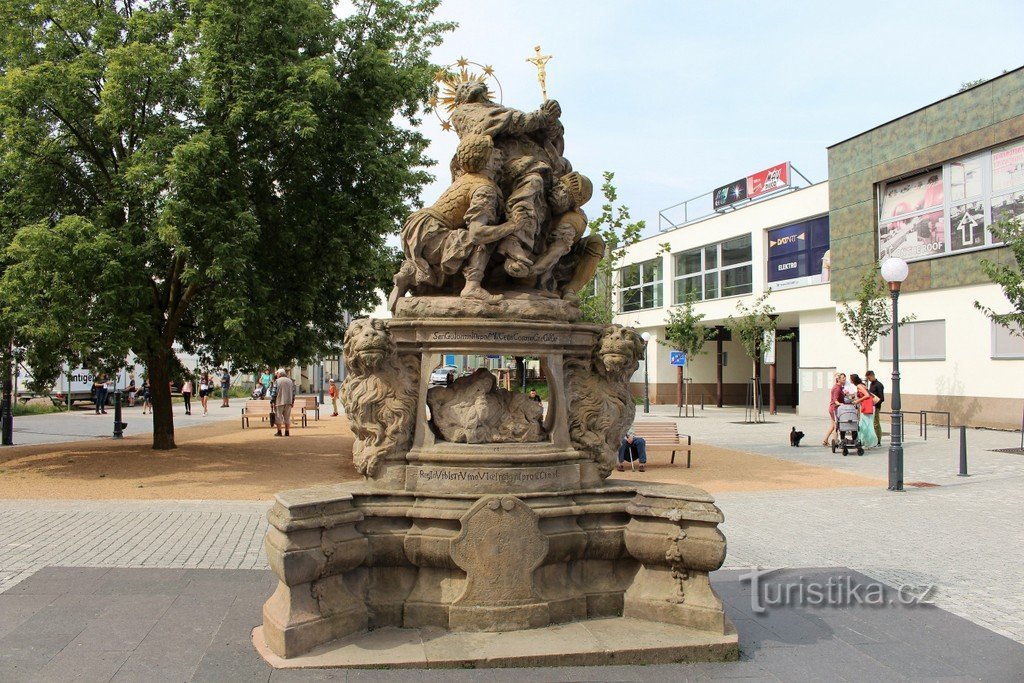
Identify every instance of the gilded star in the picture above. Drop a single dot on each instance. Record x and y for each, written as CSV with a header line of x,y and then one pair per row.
x,y
489,70
462,61
440,75
432,101
445,125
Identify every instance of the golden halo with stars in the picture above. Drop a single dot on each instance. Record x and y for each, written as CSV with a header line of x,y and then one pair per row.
x,y
447,79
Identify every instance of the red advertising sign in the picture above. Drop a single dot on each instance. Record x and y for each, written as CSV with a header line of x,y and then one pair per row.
x,y
768,180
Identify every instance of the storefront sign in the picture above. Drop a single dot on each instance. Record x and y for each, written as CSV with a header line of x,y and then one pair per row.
x,y
795,253
730,194
756,185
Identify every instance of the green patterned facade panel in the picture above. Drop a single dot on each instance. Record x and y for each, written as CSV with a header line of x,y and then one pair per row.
x,y
974,120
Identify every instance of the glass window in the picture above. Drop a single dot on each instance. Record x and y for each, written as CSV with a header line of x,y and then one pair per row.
x,y
795,253
903,197
714,270
919,340
736,251
640,285
1008,167
1007,343
965,179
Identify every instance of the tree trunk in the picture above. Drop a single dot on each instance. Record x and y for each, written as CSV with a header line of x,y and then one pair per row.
x,y
160,391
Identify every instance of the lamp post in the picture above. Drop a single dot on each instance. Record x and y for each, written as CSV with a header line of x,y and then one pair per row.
x,y
6,408
895,271
646,336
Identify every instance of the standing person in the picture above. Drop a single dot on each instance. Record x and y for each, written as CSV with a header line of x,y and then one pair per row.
x,y
332,391
284,399
186,393
267,378
100,389
225,384
204,391
877,389
835,399
132,390
866,401
145,393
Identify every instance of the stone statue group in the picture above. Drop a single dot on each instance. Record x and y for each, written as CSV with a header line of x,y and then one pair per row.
x,y
511,222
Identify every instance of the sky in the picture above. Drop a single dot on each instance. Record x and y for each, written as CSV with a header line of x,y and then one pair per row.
x,y
677,98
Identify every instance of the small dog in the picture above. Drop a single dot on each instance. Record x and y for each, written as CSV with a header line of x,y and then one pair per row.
x,y
794,437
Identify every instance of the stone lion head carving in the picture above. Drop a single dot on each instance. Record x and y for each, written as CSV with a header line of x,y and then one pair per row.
x,y
368,344
618,352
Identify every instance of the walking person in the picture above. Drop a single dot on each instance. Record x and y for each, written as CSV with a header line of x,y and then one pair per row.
x,y
835,399
284,400
144,394
204,391
186,393
332,391
866,401
225,384
132,390
877,389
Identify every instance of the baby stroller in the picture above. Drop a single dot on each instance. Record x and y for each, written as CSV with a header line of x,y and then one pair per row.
x,y
847,423
259,393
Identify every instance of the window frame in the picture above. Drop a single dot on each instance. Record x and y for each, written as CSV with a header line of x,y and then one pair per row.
x,y
716,271
658,285
908,339
994,327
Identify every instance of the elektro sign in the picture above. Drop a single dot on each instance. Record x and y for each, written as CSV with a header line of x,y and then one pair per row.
x,y
753,186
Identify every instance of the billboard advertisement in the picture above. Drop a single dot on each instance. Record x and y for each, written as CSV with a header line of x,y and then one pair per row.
x,y
753,186
768,180
795,253
730,194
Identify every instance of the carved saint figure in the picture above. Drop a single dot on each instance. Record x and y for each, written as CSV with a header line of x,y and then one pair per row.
x,y
474,410
452,235
379,394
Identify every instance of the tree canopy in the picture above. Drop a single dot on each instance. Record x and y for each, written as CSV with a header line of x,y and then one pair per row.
x,y
871,319
221,175
1008,277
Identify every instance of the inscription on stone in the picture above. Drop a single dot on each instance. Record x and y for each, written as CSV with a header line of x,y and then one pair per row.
x,y
488,475
498,336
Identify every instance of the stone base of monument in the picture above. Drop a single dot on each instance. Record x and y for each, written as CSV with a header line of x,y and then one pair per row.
x,y
583,643
581,576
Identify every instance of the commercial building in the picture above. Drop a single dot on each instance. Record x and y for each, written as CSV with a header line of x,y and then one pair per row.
x,y
925,187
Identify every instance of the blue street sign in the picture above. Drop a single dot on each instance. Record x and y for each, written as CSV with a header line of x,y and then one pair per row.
x,y
677,358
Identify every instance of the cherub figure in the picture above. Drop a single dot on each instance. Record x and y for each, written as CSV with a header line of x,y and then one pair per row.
x,y
455,232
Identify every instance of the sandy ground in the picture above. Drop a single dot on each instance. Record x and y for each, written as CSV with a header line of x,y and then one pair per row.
x,y
222,461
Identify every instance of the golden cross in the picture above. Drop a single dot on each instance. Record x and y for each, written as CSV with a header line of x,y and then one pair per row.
x,y
540,61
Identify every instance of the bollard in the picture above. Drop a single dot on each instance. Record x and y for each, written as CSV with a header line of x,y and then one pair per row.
x,y
118,425
963,452
702,400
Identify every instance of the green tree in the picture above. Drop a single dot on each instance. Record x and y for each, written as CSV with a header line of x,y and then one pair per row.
x,y
749,327
684,332
220,174
613,226
870,318
1008,277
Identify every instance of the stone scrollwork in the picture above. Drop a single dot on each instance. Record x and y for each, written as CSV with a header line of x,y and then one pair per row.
x,y
601,407
379,394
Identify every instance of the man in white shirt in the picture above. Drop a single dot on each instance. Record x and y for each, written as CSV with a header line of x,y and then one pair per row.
x,y
284,402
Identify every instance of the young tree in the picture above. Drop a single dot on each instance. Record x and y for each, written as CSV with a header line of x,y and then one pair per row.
x,y
218,174
684,332
618,232
1010,233
871,319
749,328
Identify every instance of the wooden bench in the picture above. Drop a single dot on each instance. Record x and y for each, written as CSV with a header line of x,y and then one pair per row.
x,y
307,404
663,437
260,409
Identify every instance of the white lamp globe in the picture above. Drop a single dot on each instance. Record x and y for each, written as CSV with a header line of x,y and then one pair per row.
x,y
646,336
895,270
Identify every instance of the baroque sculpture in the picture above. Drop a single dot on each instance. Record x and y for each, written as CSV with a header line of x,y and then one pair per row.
x,y
482,510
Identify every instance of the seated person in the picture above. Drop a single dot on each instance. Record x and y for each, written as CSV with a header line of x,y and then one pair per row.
x,y
633,448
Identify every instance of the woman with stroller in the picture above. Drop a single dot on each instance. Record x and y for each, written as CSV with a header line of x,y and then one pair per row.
x,y
866,401
835,400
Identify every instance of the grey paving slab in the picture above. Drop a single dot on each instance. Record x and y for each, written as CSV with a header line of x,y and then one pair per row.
x,y
197,637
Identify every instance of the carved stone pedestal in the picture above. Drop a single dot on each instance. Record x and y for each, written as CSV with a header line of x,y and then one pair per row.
x,y
480,515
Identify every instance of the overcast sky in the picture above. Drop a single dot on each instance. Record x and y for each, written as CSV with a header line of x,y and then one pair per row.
x,y
679,97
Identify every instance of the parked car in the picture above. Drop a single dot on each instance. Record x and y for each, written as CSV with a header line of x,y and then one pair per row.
x,y
440,375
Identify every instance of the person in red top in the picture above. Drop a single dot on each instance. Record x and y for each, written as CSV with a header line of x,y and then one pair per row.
x,y
866,401
835,400
332,391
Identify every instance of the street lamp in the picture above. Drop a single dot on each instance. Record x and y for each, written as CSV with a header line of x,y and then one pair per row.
x,y
646,336
895,271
